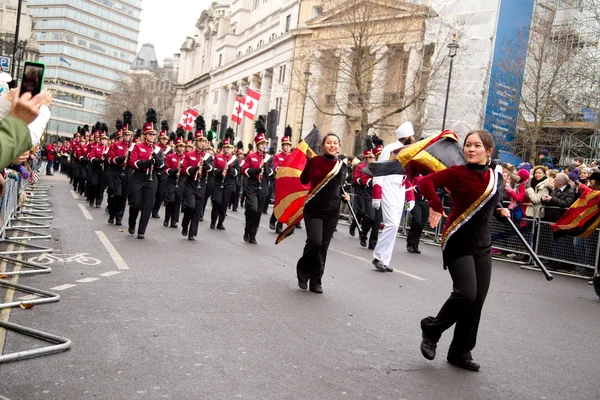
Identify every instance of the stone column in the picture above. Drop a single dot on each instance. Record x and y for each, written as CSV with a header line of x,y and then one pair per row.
x,y
231,93
309,107
413,74
239,129
222,104
338,122
248,125
266,79
380,80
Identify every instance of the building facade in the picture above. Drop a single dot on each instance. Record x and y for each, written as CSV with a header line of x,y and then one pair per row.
x,y
28,48
241,45
87,46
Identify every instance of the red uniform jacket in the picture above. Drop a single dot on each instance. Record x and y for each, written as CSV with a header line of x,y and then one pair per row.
x,y
253,163
279,159
117,149
360,178
50,149
172,162
193,159
96,153
223,163
140,152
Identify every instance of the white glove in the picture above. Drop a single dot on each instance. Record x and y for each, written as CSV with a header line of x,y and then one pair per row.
x,y
411,205
376,203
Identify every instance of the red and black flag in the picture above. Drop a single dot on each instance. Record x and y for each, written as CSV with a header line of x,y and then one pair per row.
x,y
428,155
290,193
582,218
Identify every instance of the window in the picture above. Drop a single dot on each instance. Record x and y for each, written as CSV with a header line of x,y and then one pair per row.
x,y
288,21
216,96
317,11
220,59
281,74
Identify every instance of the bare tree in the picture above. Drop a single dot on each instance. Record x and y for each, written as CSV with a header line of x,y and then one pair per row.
x,y
137,93
559,62
369,61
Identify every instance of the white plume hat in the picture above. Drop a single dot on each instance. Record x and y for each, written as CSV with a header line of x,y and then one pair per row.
x,y
405,130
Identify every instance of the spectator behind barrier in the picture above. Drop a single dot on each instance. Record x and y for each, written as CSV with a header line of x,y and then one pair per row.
x,y
537,187
518,196
562,196
545,160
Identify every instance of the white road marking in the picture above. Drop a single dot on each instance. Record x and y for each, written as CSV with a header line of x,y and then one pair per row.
x,y
85,212
87,280
110,273
369,261
63,287
75,195
114,254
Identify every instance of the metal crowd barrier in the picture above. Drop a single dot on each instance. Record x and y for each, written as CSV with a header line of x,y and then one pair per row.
x,y
21,201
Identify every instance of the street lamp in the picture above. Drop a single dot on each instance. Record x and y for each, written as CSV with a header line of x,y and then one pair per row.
x,y
452,49
307,74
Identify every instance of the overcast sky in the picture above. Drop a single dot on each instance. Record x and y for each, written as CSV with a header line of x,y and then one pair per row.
x,y
166,24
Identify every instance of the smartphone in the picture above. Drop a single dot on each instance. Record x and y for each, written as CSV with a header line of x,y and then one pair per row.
x,y
33,78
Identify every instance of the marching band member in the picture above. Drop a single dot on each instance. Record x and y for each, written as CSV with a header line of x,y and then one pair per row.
x,y
145,157
225,173
286,149
118,160
163,140
175,182
98,177
196,164
255,169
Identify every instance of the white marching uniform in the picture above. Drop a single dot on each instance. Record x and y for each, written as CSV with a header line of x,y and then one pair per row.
x,y
392,193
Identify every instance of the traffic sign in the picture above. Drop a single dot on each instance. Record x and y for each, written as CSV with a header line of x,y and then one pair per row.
x,y
4,63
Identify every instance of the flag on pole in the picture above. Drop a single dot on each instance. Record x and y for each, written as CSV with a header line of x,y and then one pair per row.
x,y
237,115
183,120
251,104
290,193
582,218
191,116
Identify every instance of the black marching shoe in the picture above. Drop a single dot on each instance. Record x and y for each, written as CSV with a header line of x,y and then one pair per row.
x,y
98,205
252,240
278,230
191,237
91,204
201,219
464,364
246,237
111,220
165,223
302,284
378,265
272,225
371,247
184,231
118,222
140,235
155,215
173,225
388,269
417,251
299,225
220,227
410,248
428,348
363,242
352,230
212,226
316,288
131,230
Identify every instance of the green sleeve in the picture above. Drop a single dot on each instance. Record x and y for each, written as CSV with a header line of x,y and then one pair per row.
x,y
14,139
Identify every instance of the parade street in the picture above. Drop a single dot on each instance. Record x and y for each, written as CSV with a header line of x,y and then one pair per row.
x,y
218,318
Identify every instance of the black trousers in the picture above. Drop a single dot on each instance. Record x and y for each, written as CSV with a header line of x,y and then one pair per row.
x,y
160,192
97,186
173,195
358,205
219,201
273,220
418,218
255,204
471,280
141,199
371,222
117,200
235,198
193,204
318,235
210,185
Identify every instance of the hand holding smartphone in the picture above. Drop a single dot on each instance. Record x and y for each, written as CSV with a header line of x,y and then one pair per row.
x,y
33,78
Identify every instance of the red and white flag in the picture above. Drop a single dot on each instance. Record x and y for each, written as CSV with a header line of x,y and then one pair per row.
x,y
251,106
238,108
183,120
191,116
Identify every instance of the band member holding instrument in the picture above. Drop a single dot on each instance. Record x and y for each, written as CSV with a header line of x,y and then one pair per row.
x,y
326,175
239,181
118,157
98,176
255,169
163,140
175,184
466,245
195,165
286,149
225,173
145,157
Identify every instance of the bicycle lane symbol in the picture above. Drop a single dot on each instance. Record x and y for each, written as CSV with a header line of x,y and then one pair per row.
x,y
51,258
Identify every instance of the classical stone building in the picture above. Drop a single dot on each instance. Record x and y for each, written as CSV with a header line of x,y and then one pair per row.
x,y
248,43
359,67
28,48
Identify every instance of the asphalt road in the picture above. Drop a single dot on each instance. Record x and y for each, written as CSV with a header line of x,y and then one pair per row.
x,y
221,319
